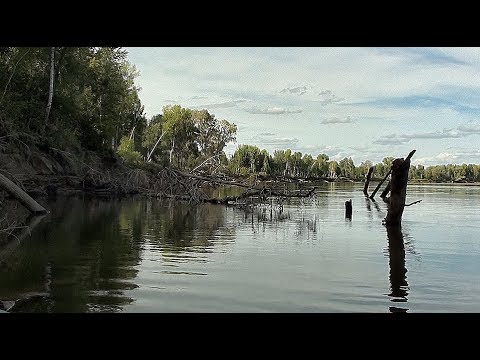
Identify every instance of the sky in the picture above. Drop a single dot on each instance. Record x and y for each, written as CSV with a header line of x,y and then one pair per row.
x,y
363,103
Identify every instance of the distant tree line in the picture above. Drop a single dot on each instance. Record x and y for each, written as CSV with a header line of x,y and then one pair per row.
x,y
85,98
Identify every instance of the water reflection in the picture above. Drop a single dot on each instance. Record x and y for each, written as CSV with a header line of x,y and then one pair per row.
x,y
84,256
398,278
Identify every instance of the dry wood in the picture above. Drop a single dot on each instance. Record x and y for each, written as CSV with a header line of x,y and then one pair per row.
x,y
367,181
398,191
21,196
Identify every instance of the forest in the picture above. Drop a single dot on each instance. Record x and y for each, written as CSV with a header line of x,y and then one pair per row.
x,y
79,99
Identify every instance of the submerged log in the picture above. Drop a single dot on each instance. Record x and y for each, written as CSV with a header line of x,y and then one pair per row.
x,y
367,181
25,199
348,209
398,191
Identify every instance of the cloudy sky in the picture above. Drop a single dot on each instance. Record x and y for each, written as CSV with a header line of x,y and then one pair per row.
x,y
366,103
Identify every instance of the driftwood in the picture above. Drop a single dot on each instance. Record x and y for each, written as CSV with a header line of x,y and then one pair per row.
x,y
21,196
367,181
260,193
413,203
398,191
212,180
171,183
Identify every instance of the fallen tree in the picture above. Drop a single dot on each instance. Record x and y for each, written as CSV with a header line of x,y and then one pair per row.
x,y
25,199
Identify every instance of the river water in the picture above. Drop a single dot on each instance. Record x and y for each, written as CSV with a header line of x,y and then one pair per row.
x,y
138,255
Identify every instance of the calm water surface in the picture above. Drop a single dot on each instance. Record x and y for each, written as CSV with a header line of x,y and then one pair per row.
x,y
141,255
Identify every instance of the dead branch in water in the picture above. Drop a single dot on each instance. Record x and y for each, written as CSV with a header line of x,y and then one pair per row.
x,y
171,183
367,181
413,203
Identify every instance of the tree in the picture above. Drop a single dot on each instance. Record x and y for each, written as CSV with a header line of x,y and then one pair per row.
x,y
127,152
334,169
322,164
212,134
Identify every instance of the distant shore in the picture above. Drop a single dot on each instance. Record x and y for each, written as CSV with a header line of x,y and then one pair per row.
x,y
444,183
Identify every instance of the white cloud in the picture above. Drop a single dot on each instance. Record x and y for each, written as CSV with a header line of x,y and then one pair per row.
x,y
337,120
300,90
271,111
225,104
324,83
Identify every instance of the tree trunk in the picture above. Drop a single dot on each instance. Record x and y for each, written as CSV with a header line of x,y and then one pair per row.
x,y
398,190
154,147
50,92
21,196
367,181
13,72
171,150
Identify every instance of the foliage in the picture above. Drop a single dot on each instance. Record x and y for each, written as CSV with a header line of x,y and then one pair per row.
x,y
95,101
127,151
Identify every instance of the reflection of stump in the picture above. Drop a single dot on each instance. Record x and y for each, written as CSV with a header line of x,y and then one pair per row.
x,y
348,209
398,271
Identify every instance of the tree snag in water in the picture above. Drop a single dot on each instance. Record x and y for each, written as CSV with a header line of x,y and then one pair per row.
x,y
367,181
398,190
348,209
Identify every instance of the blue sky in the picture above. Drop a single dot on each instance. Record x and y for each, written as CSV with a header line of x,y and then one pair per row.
x,y
364,103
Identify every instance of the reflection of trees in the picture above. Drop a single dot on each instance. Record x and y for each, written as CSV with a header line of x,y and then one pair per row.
x,y
177,226
398,278
83,256
274,216
76,257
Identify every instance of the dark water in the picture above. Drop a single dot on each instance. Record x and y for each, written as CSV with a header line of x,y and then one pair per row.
x,y
160,256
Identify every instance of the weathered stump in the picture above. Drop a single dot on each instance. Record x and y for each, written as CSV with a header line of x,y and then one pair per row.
x,y
398,190
367,181
348,209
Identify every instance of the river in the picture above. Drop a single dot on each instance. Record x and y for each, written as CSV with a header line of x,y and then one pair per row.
x,y
146,255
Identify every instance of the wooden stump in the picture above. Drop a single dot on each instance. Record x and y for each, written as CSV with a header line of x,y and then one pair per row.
x,y
398,190
348,209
